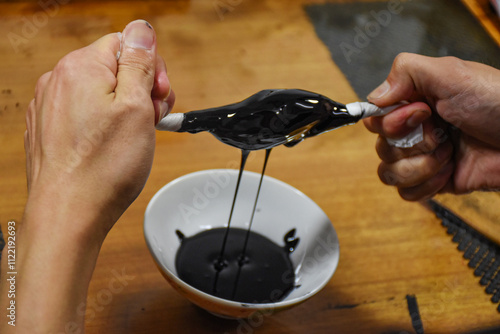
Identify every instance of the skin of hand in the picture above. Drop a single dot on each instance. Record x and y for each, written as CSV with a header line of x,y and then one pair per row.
x,y
89,144
457,103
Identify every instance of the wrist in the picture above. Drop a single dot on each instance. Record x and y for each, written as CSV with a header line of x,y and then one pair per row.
x,y
56,251
57,210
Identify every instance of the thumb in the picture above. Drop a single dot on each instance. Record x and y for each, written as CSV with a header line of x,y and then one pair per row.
x,y
402,82
137,62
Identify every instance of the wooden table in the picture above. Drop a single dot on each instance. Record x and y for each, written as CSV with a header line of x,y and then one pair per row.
x,y
219,52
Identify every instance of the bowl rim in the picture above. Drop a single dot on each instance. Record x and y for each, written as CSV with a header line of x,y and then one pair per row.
x,y
216,300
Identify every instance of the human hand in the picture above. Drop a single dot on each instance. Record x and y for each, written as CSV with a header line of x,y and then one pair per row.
x,y
90,134
462,95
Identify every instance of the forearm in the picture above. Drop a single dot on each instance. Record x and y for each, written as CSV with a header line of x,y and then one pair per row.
x,y
56,253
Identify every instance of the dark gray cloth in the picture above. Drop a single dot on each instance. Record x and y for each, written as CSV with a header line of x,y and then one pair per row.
x,y
365,37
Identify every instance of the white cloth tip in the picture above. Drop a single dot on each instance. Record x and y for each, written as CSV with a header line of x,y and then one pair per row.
x,y
171,122
410,140
366,109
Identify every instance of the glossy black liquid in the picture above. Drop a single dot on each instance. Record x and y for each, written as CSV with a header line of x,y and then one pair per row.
x,y
220,263
238,264
270,118
265,275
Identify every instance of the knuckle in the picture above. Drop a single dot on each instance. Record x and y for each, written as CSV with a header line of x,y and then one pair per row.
x,y
136,104
461,70
426,166
458,64
402,60
386,175
68,70
408,172
136,61
68,63
41,83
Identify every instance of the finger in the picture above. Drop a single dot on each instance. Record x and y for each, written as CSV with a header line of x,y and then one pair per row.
x,y
409,75
449,187
29,136
162,96
106,51
94,63
430,187
28,160
31,123
170,101
390,154
161,86
163,107
136,66
30,115
41,86
415,170
399,122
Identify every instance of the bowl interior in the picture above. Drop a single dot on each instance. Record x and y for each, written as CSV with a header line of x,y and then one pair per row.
x,y
202,200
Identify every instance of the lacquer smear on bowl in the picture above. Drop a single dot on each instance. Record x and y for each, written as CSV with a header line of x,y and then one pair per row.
x,y
201,202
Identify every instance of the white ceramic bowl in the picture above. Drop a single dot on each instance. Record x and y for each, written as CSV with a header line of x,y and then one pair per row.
x,y
200,201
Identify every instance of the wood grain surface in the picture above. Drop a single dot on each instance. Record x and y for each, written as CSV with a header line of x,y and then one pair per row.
x,y
220,52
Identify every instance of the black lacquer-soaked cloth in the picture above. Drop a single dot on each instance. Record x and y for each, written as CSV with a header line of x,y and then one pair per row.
x,y
365,37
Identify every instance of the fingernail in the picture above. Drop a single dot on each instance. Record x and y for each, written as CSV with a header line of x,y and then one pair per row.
x,y
164,109
139,35
417,118
169,89
380,91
